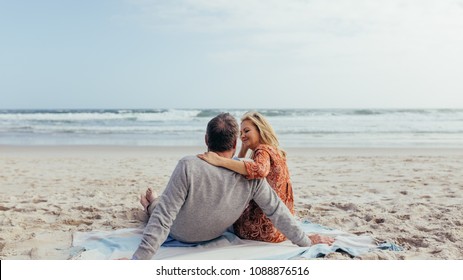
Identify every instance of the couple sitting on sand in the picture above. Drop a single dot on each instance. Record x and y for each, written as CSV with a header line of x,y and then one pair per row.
x,y
203,200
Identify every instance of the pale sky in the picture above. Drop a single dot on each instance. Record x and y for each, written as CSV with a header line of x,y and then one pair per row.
x,y
231,54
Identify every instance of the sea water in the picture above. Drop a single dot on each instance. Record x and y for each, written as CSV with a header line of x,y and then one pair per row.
x,y
186,127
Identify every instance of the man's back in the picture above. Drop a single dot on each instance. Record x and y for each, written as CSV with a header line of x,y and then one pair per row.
x,y
201,201
216,199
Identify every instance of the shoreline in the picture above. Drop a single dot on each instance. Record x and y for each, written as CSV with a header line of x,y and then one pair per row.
x,y
411,197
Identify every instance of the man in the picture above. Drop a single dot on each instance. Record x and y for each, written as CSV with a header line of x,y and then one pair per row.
x,y
201,201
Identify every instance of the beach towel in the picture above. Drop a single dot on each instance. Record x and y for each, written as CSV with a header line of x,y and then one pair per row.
x,y
121,243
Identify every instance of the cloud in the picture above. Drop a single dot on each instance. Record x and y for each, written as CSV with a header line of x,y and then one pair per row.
x,y
337,16
310,29
247,15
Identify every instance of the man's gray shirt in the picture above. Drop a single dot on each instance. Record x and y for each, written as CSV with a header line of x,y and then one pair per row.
x,y
201,201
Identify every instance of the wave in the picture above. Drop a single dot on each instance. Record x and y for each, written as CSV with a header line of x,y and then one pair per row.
x,y
98,115
103,129
200,128
188,114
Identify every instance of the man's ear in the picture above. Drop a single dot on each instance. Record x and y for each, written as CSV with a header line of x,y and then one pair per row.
x,y
234,145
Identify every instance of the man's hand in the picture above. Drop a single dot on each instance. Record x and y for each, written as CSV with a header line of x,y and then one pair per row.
x,y
321,239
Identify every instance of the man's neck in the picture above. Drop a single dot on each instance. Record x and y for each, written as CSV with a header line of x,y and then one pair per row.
x,y
226,154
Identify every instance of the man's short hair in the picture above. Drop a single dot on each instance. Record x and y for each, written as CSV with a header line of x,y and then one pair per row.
x,y
222,133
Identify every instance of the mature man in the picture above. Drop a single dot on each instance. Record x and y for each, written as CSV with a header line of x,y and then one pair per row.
x,y
201,201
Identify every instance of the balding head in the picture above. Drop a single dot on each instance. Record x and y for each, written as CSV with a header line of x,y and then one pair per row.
x,y
222,133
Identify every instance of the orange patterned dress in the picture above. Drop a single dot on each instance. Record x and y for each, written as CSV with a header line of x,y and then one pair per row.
x,y
269,164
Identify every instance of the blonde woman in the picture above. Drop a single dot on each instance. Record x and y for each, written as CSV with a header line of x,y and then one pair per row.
x,y
268,161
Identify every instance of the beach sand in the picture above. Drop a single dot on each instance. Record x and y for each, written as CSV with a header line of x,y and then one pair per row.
x,y
411,197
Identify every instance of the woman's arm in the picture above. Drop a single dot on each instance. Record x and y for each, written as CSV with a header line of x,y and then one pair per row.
x,y
260,167
234,165
256,169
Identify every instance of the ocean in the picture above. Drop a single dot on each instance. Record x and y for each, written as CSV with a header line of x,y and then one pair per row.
x,y
439,128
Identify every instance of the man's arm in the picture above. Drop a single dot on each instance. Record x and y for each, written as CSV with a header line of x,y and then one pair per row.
x,y
164,214
279,214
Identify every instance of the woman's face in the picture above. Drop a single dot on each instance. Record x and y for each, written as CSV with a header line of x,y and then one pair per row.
x,y
249,134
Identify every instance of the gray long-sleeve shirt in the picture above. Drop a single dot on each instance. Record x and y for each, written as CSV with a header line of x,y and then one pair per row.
x,y
201,201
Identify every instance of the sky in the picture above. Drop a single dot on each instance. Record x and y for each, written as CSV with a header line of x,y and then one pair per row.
x,y
67,54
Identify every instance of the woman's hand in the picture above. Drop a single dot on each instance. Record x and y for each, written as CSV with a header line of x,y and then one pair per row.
x,y
211,158
321,239
243,151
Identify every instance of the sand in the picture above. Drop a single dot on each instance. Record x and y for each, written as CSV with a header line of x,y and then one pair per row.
x,y
412,197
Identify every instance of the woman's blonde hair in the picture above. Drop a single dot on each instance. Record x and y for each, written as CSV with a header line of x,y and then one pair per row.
x,y
266,132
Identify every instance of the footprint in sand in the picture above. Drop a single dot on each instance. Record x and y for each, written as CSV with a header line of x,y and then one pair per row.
x,y
86,209
414,241
450,236
72,222
404,217
425,229
345,206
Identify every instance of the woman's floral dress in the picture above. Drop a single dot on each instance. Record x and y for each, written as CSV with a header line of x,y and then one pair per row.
x,y
269,164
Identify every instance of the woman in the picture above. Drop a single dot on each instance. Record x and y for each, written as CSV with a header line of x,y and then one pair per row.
x,y
269,162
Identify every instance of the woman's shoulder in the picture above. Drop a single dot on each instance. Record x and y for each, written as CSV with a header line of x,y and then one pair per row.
x,y
267,148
